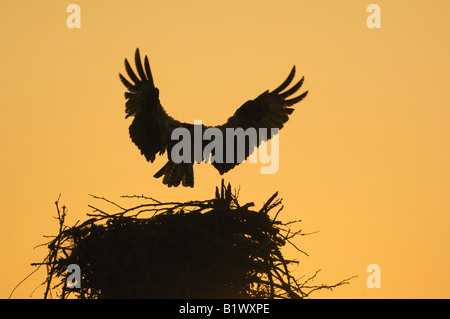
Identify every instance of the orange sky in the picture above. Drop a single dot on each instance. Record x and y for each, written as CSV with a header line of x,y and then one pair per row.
x,y
364,159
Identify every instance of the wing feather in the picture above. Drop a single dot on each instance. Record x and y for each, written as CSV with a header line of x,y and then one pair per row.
x,y
147,70
131,73
126,82
137,60
269,110
293,89
151,126
286,82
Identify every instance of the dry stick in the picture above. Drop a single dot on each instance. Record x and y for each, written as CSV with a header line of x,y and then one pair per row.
x,y
9,297
330,287
141,197
107,200
57,242
271,285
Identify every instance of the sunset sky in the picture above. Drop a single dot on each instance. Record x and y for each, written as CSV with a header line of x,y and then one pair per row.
x,y
364,159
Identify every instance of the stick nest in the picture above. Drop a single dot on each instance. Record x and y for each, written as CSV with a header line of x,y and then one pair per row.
x,y
198,249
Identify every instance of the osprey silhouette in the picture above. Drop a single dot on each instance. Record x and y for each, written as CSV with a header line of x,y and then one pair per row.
x,y
151,128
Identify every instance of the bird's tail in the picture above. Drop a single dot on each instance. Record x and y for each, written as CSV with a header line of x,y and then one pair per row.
x,y
174,174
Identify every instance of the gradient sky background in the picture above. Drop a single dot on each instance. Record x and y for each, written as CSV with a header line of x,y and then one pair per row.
x,y
364,159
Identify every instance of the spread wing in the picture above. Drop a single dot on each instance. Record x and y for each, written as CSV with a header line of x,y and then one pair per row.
x,y
269,110
151,127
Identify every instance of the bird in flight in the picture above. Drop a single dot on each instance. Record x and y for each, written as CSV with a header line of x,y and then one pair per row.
x,y
151,129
